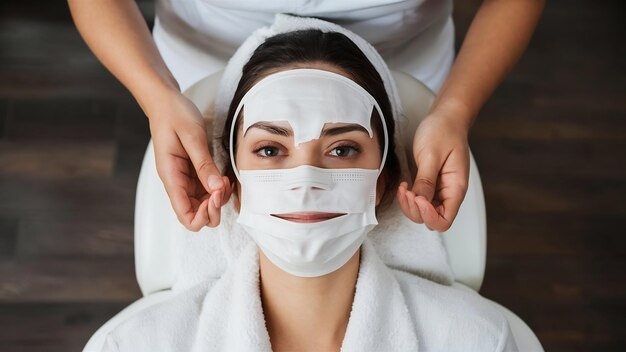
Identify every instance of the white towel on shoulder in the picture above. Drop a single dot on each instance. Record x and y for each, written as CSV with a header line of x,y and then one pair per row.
x,y
392,310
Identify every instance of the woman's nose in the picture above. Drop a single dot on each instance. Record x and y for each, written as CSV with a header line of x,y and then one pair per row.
x,y
307,153
307,176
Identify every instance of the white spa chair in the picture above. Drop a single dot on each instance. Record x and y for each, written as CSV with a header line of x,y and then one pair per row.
x,y
156,225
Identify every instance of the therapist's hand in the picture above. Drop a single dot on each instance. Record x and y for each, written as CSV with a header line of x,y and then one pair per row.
x,y
441,154
192,181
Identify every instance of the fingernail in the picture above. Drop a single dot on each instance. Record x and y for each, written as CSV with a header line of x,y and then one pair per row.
x,y
215,182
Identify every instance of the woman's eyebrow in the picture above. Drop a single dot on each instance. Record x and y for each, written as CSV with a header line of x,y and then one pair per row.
x,y
333,131
272,128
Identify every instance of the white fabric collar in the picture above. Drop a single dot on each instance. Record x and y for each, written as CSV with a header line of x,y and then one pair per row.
x,y
232,315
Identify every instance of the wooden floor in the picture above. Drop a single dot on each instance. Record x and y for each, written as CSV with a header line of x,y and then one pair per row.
x,y
550,146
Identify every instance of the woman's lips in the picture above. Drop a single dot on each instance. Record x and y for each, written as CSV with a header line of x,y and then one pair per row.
x,y
310,216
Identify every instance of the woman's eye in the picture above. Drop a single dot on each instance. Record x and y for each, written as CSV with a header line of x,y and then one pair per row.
x,y
266,152
344,151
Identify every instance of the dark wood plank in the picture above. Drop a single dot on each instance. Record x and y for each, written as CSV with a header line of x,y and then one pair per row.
x,y
132,137
81,233
8,236
66,119
52,327
44,55
68,279
4,112
57,159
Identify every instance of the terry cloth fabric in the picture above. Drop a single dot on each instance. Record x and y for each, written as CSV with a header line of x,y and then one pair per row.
x,y
401,243
392,311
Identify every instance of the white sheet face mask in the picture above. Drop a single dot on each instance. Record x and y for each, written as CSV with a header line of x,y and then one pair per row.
x,y
307,99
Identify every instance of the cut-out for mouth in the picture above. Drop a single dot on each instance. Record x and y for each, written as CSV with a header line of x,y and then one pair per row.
x,y
308,216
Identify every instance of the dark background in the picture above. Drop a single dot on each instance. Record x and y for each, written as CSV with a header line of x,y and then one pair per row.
x,y
550,146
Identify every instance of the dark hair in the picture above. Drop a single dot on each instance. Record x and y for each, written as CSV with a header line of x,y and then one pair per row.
x,y
313,45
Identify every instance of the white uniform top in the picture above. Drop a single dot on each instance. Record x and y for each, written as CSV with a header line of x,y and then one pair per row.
x,y
197,37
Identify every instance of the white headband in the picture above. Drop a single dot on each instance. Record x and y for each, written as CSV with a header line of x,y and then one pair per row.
x,y
307,99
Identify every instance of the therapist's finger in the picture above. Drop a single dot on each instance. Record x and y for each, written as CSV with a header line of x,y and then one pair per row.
x,y
404,205
214,211
428,168
428,213
174,173
413,209
441,216
201,217
404,199
228,189
197,147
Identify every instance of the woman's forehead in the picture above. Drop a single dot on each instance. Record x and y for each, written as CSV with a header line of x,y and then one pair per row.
x,y
308,99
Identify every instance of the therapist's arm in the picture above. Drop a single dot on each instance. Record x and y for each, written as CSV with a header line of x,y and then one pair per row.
x,y
497,37
117,34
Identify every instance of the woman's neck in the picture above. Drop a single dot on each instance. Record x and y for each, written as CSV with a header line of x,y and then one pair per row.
x,y
307,314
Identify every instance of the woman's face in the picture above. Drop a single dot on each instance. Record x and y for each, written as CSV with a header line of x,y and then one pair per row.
x,y
270,145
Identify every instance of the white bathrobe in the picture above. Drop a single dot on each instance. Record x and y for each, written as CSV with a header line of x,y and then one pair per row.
x,y
393,310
